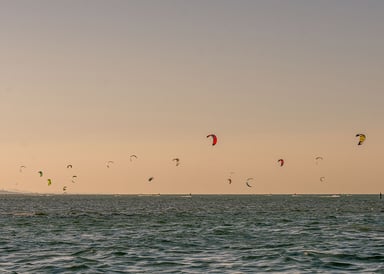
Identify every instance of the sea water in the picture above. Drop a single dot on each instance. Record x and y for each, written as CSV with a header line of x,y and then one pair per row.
x,y
191,234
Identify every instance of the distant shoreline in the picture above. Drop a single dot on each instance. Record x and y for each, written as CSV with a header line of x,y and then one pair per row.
x,y
6,192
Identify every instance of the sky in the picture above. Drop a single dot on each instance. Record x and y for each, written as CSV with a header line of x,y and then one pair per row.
x,y
85,82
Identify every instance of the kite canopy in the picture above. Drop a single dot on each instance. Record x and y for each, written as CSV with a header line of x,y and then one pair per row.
x,y
109,163
318,159
214,139
281,161
322,179
69,166
248,182
132,156
150,179
362,138
177,160
40,173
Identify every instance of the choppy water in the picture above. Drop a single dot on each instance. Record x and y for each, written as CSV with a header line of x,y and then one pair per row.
x,y
200,234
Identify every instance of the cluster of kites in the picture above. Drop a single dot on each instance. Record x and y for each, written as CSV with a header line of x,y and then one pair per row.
x,y
49,180
281,162
214,139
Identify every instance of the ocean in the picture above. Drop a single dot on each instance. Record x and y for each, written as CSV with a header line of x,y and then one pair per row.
x,y
191,234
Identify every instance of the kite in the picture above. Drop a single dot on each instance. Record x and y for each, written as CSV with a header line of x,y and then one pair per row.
x,y
131,157
109,163
317,159
362,138
248,181
177,160
281,161
214,139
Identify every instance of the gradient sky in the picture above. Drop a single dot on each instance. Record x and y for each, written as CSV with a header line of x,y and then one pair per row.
x,y
84,82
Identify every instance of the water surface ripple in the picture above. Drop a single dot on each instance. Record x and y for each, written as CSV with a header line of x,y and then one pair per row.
x,y
200,234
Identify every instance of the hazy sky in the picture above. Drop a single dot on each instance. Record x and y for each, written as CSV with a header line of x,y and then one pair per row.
x,y
84,82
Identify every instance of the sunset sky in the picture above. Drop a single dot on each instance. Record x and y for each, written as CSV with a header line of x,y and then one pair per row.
x,y
85,82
